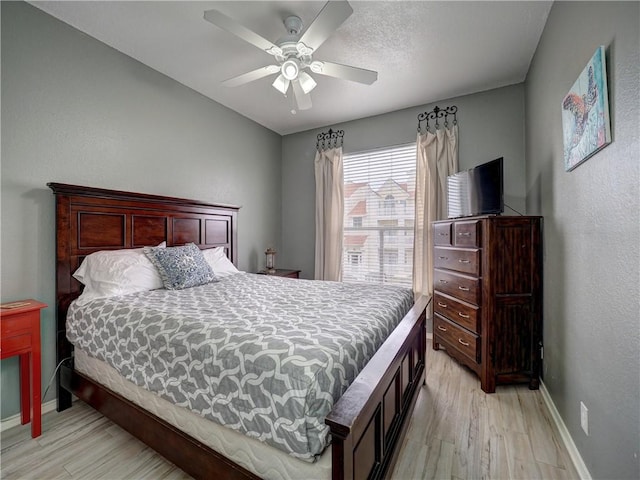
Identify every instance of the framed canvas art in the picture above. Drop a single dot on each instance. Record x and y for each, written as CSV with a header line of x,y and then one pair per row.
x,y
585,113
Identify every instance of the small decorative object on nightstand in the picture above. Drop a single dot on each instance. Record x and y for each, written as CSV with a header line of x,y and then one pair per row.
x,y
282,272
20,332
270,262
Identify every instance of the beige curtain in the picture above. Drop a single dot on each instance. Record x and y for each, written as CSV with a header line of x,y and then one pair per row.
x,y
437,157
329,214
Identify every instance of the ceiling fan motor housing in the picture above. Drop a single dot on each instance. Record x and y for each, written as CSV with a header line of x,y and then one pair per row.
x,y
289,43
293,25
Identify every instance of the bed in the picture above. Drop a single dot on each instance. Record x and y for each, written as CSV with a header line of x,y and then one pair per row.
x,y
366,424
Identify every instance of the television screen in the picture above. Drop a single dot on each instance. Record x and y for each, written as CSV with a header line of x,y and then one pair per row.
x,y
477,191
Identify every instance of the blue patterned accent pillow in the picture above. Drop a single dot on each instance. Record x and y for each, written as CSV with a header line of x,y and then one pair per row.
x,y
181,267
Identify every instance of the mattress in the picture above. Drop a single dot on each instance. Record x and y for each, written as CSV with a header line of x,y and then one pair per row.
x,y
257,457
266,356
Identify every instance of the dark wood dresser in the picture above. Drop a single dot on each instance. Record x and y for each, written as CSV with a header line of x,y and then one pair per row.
x,y
487,298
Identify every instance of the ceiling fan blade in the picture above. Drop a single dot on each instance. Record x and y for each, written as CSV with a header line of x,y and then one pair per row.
x,y
345,72
302,99
230,25
332,15
251,76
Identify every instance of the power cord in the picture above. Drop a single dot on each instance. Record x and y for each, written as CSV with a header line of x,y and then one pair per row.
x,y
511,208
54,376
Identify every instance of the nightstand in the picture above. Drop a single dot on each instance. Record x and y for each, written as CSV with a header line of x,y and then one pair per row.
x,y
281,272
20,335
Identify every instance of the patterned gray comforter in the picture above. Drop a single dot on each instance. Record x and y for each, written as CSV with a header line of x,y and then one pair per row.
x,y
266,356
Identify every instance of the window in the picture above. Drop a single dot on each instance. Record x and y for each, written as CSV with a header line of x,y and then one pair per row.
x,y
389,205
408,222
390,256
379,184
355,258
408,255
388,233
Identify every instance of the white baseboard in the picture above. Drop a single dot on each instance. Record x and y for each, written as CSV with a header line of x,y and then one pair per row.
x,y
14,420
565,436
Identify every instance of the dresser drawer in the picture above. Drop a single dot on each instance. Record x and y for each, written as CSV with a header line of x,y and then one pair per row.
x,y
458,286
457,337
442,233
466,315
460,260
467,233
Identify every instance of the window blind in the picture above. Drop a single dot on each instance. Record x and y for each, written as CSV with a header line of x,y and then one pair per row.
x,y
379,208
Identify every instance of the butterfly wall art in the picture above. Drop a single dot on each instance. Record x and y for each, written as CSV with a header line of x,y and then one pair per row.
x,y
585,113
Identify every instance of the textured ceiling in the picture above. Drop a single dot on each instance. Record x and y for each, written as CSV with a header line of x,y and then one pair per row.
x,y
423,51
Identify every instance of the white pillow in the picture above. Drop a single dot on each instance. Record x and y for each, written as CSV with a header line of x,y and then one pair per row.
x,y
211,255
220,264
116,272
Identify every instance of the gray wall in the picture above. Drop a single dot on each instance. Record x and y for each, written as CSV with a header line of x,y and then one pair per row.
x,y
76,111
592,234
491,125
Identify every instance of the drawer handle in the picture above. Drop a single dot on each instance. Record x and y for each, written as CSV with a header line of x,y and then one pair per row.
x,y
442,329
466,344
443,258
443,281
460,314
443,305
464,289
443,234
464,261
464,234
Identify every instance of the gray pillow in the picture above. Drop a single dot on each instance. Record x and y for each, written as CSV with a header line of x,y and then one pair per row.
x,y
181,267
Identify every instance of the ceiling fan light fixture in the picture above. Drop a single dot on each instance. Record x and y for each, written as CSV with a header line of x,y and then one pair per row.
x,y
281,84
290,69
307,83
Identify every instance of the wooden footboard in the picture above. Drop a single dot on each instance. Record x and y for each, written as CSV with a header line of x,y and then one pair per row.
x,y
367,424
369,421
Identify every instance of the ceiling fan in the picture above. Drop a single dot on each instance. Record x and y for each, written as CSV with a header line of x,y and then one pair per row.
x,y
293,53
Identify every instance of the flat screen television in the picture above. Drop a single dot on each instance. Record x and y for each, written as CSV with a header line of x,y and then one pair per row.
x,y
477,191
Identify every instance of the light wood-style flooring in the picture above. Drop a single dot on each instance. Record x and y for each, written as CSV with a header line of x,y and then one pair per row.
x,y
456,432
459,432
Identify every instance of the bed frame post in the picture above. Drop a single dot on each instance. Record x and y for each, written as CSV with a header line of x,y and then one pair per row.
x,y
64,349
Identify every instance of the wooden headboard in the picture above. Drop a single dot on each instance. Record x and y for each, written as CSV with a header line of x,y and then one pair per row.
x,y
93,219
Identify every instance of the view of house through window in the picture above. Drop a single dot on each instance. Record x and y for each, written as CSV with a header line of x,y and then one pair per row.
x,y
379,206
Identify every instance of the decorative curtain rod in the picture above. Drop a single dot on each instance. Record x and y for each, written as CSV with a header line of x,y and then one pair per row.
x,y
436,114
329,139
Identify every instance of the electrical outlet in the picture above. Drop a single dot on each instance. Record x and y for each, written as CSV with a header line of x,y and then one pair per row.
x,y
584,418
